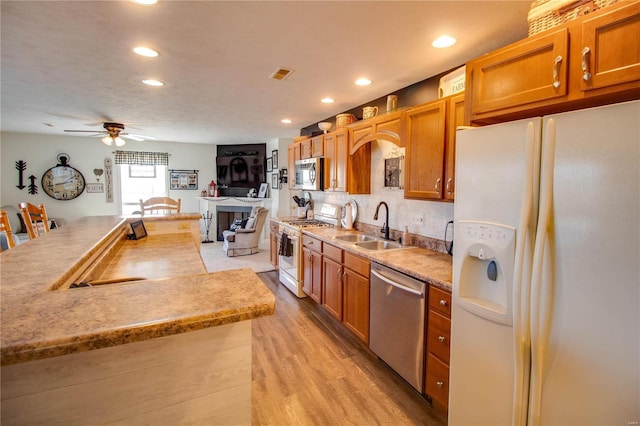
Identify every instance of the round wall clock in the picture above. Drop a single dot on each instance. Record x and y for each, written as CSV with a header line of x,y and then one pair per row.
x,y
62,181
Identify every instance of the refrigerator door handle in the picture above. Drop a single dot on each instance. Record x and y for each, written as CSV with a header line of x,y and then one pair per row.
x,y
520,294
540,296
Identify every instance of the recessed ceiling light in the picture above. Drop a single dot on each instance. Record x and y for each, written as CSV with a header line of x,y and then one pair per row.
x,y
286,121
443,41
363,81
154,83
145,2
327,100
145,51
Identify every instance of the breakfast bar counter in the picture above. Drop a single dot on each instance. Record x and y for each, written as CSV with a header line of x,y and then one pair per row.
x,y
40,319
155,339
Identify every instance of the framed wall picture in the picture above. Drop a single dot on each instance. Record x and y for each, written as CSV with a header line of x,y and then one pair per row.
x,y
274,181
262,192
269,164
393,168
183,179
274,156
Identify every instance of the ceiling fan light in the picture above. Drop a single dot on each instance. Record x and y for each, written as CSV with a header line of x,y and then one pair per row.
x,y
119,141
107,140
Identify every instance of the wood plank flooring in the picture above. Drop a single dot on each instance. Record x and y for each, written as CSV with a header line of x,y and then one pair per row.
x,y
309,370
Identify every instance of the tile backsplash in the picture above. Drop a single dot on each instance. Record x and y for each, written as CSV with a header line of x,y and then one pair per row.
x,y
425,220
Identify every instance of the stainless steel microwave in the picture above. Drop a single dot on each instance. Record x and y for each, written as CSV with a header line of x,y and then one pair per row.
x,y
309,174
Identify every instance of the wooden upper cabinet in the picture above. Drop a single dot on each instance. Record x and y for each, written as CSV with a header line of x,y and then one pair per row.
x,y
305,149
387,126
424,159
529,71
344,172
455,118
590,61
293,154
610,48
313,147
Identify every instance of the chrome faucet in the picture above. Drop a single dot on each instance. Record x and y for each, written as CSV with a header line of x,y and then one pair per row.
x,y
385,227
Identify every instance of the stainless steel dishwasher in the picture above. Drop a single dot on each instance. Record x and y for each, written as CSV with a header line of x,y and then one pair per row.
x,y
397,309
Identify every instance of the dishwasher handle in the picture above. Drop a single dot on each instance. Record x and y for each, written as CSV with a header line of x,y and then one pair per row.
x,y
397,285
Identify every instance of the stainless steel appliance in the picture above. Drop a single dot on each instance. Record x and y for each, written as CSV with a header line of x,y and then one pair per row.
x,y
309,174
290,248
397,328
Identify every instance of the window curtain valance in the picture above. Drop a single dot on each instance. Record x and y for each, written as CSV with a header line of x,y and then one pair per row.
x,y
142,158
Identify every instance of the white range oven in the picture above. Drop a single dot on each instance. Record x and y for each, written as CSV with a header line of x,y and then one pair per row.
x,y
290,244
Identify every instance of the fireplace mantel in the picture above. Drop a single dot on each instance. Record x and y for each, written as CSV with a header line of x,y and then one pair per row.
x,y
208,207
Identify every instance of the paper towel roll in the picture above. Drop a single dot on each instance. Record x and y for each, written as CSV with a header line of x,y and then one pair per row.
x,y
348,216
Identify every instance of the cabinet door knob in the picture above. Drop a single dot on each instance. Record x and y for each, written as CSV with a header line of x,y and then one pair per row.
x,y
443,303
586,75
442,339
440,384
556,71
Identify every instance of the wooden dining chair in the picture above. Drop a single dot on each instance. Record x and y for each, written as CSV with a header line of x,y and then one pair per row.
x,y
5,226
35,219
160,205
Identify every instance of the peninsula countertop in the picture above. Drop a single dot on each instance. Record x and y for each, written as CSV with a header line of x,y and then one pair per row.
x,y
427,265
39,321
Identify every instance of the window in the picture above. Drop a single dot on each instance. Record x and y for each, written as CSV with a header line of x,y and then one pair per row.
x,y
138,182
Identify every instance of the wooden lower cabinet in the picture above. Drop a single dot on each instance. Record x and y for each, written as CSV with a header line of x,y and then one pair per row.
x,y
332,287
312,274
356,295
438,346
274,243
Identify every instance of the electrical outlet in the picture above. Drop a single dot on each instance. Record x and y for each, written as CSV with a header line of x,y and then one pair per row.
x,y
417,219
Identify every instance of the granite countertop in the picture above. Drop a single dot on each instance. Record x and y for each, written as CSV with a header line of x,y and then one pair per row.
x,y
430,266
38,322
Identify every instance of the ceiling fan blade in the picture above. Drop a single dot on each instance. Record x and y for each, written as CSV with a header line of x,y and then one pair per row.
x,y
137,137
84,131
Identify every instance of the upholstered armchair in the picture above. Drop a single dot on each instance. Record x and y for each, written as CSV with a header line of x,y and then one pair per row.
x,y
243,241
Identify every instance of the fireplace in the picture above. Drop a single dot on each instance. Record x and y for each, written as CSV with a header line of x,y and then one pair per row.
x,y
225,215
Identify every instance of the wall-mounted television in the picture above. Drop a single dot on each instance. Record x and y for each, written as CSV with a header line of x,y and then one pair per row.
x,y
241,166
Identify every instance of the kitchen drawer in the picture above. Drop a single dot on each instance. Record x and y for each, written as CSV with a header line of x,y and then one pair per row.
x,y
440,301
437,386
357,264
438,336
332,252
311,243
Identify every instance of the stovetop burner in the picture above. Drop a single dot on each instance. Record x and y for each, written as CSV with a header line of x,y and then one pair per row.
x,y
306,223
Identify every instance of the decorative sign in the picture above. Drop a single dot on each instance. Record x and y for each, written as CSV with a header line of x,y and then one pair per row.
x,y
95,187
183,179
108,177
21,166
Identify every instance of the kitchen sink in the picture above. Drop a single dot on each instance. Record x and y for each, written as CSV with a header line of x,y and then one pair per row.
x,y
354,238
379,245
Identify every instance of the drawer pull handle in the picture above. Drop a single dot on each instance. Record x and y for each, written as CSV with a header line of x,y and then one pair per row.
x,y
440,384
442,339
449,183
443,303
438,185
586,75
556,71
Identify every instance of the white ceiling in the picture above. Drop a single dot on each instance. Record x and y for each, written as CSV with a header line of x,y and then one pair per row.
x,y
69,63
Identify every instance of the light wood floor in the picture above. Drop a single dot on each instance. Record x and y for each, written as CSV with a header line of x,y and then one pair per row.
x,y
308,370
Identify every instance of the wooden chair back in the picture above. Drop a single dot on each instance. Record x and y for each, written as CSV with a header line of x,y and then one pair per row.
x,y
5,226
35,219
160,205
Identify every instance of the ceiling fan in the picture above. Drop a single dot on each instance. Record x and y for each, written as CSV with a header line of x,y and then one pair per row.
x,y
113,132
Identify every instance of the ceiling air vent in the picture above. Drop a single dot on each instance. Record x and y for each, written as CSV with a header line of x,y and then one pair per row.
x,y
280,74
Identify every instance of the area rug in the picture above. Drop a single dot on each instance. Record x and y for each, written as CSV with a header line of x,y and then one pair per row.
x,y
216,260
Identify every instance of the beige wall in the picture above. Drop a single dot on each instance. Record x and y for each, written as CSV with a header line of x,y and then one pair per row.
x,y
88,153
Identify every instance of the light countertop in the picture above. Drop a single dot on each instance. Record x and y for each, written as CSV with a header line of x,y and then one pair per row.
x,y
38,322
430,266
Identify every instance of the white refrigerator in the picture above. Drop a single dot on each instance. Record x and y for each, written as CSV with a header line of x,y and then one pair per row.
x,y
545,325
